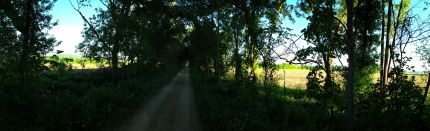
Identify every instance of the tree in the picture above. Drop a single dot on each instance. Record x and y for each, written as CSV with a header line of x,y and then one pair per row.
x,y
407,29
424,51
324,32
106,32
394,22
9,44
203,40
351,66
367,19
237,43
30,19
325,36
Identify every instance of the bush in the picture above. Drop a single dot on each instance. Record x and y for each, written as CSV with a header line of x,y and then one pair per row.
x,y
397,106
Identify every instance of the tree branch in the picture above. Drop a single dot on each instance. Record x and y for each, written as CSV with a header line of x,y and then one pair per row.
x,y
91,27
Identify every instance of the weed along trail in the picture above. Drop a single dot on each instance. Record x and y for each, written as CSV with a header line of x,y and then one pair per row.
x,y
173,109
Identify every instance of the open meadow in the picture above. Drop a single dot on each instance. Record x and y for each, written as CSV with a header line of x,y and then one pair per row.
x,y
296,78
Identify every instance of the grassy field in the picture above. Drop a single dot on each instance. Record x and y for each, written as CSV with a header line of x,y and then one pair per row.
x,y
296,78
87,66
76,62
288,75
292,78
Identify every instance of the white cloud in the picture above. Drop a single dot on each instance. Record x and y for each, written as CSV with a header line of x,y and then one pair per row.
x,y
70,35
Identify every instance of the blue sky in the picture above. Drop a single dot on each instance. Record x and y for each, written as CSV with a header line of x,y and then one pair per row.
x,y
71,24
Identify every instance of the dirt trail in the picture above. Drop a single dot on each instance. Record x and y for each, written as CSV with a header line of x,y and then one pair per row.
x,y
172,109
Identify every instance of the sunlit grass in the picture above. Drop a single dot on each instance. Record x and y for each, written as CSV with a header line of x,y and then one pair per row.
x,y
87,66
290,78
296,78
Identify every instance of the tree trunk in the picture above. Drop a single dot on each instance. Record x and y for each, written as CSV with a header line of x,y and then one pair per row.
x,y
387,44
426,89
207,63
119,36
327,66
238,73
26,40
351,65
396,26
250,37
381,73
115,64
253,44
364,38
217,56
363,50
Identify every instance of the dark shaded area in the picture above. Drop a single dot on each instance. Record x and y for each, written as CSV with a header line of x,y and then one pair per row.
x,y
76,100
173,108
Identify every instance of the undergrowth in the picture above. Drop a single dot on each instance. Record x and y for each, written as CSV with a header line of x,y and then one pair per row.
x,y
228,105
75,100
244,105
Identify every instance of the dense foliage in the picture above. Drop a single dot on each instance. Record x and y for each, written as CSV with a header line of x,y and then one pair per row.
x,y
334,31
76,100
40,92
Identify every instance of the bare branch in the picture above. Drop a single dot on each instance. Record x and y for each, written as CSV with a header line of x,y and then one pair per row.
x,y
307,61
101,1
91,27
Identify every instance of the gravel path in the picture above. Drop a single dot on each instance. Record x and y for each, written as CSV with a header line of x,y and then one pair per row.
x,y
173,109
